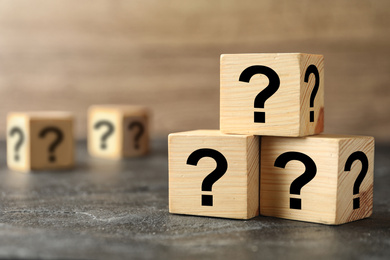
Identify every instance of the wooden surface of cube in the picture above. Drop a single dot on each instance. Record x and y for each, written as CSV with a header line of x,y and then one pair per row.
x,y
117,131
136,137
279,94
40,141
324,178
213,174
18,142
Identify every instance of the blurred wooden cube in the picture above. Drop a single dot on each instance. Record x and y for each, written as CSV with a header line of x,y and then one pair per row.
x,y
325,178
117,131
214,174
277,94
40,141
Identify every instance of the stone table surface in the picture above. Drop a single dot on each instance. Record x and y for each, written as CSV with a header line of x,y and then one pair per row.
x,y
119,209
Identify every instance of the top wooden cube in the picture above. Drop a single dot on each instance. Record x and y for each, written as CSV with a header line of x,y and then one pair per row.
x,y
278,94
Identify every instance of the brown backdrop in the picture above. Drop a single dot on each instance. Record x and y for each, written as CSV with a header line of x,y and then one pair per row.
x,y
69,54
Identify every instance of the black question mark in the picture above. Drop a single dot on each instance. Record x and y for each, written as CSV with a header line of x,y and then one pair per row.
x,y
220,170
357,156
139,133
17,130
302,180
55,143
107,134
312,69
273,86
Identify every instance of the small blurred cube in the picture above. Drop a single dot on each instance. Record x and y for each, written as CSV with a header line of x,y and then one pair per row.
x,y
118,131
40,141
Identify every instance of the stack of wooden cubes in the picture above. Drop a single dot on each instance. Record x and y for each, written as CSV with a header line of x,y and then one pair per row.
x,y
269,157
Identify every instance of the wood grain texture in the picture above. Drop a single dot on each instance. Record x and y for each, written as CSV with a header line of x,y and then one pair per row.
x,y
308,94
286,111
68,55
328,197
235,194
345,194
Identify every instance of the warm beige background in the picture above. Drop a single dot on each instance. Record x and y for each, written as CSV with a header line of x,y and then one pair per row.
x,y
69,54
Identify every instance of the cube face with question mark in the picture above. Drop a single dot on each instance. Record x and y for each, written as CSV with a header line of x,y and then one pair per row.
x,y
40,141
118,131
213,174
279,94
325,179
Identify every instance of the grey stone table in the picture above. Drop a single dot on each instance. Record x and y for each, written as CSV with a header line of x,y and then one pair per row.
x,y
114,210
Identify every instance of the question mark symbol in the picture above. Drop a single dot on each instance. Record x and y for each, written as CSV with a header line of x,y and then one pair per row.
x,y
55,143
312,69
273,86
357,156
17,130
302,180
220,170
138,134
110,130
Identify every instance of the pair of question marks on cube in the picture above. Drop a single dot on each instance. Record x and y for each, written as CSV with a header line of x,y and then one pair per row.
x,y
110,131
311,171
59,138
273,86
281,162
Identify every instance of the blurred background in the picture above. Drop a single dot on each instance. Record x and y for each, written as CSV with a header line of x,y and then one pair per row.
x,y
68,54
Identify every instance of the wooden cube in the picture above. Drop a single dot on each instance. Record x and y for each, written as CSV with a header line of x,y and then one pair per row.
x,y
280,94
117,131
325,178
214,174
40,141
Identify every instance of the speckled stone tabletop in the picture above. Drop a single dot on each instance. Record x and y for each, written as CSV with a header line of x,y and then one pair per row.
x,y
119,210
